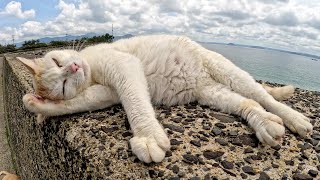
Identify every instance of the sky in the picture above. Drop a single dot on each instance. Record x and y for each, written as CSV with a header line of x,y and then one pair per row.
x,y
284,24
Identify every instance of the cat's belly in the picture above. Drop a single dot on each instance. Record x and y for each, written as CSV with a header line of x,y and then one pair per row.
x,y
174,83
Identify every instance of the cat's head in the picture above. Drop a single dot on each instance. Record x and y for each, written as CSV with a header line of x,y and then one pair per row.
x,y
60,74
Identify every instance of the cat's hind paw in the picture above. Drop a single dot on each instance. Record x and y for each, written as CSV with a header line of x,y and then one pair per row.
x,y
151,148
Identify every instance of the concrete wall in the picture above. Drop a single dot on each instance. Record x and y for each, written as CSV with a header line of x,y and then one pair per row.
x,y
205,143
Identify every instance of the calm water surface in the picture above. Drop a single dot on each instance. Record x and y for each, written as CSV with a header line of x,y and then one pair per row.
x,y
273,66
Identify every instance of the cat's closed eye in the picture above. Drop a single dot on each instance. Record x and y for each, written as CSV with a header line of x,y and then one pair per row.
x,y
56,61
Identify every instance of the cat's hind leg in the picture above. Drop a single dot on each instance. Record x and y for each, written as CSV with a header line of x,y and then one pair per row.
x,y
268,127
225,72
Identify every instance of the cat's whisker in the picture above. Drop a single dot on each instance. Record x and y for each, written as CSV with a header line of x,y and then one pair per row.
x,y
73,44
82,45
77,45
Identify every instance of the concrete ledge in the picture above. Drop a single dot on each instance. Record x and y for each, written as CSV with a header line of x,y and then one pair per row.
x,y
205,143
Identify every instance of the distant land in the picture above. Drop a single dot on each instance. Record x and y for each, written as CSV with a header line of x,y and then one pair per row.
x,y
313,57
73,37
89,35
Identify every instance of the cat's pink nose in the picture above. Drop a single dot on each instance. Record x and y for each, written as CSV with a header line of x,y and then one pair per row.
x,y
74,67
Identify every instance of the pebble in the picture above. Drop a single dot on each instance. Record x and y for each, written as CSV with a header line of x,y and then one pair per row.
x,y
315,136
175,169
244,176
216,131
264,176
237,142
222,142
220,125
248,170
227,164
174,128
175,142
299,176
248,150
233,133
195,143
212,155
190,159
313,173
289,162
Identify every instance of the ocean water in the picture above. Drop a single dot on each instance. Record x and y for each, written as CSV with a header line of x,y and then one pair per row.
x,y
273,66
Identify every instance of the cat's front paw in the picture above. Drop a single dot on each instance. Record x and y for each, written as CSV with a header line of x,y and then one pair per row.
x,y
151,147
298,123
269,128
32,102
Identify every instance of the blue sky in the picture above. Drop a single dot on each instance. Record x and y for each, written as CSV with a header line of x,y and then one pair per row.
x,y
285,24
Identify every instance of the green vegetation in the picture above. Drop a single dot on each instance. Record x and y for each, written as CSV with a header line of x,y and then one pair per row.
x,y
32,44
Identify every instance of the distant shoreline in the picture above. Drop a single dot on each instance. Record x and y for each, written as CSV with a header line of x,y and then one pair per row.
x,y
313,57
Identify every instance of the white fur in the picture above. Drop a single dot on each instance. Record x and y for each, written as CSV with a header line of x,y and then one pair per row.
x,y
166,70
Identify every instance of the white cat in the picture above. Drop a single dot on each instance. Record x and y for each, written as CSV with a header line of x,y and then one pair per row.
x,y
161,69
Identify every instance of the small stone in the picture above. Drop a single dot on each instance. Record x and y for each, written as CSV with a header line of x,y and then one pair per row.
x,y
233,133
248,150
152,173
212,155
190,159
289,162
181,174
160,173
195,178
274,165
222,142
174,128
101,148
175,169
244,176
168,153
220,125
277,147
175,142
216,131
299,176
196,143
207,176
85,125
315,136
227,164
107,162
236,142
264,176
248,170
304,146
174,178
109,129
313,173
126,134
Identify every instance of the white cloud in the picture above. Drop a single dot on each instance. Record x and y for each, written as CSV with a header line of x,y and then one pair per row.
x,y
13,8
280,23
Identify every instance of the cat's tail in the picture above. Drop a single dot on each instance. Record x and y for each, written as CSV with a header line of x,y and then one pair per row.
x,y
280,93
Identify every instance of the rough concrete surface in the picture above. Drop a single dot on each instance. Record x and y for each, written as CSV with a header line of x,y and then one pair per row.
x,y
5,155
206,144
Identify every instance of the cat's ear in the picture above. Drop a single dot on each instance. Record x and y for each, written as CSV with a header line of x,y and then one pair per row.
x,y
30,64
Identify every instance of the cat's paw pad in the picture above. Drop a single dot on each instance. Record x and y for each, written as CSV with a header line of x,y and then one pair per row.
x,y
150,148
31,101
271,132
298,123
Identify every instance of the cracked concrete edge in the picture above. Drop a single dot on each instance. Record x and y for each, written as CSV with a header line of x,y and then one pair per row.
x,y
5,153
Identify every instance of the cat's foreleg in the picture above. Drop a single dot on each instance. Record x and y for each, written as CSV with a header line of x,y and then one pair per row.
x,y
268,127
150,140
93,98
225,72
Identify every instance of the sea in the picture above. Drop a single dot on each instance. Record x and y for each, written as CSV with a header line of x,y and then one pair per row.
x,y
273,66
